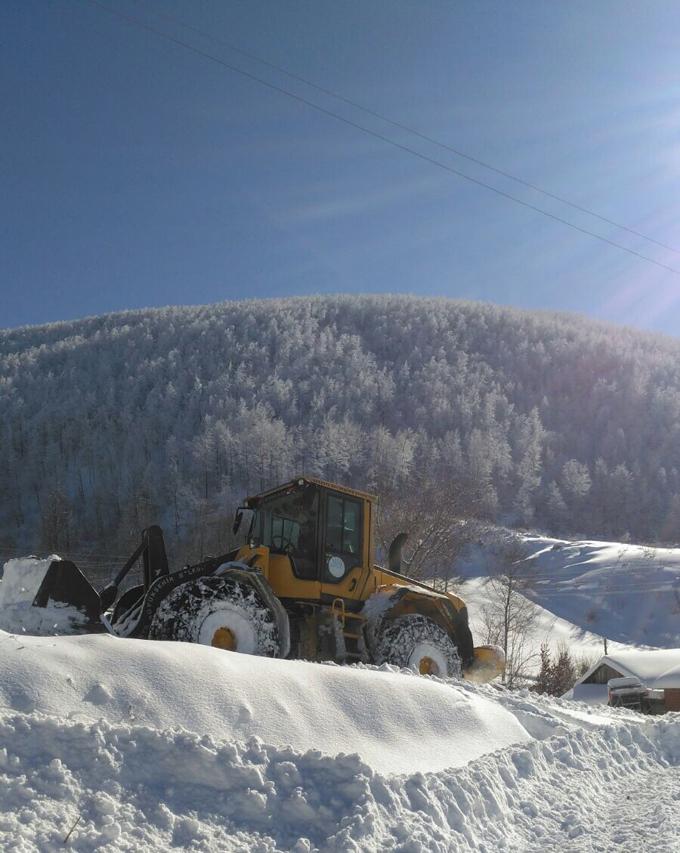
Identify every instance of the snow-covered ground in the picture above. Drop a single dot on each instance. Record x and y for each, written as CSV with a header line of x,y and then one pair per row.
x,y
159,745
135,745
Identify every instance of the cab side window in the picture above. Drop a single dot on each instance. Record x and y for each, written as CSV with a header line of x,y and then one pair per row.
x,y
343,536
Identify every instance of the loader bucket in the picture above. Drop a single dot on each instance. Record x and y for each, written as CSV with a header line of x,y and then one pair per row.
x,y
489,662
65,585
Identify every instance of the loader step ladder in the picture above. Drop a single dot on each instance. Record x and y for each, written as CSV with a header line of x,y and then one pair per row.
x,y
352,627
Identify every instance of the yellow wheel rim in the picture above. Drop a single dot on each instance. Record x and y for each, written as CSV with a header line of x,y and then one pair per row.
x,y
428,667
224,638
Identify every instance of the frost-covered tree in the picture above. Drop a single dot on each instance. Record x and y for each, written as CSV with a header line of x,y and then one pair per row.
x,y
508,615
537,419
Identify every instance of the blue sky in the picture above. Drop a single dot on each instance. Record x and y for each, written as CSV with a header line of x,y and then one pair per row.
x,y
135,173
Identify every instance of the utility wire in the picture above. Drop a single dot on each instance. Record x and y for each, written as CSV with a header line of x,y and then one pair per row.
x,y
426,158
412,130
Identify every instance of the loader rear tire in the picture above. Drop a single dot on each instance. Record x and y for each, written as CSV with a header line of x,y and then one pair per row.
x,y
219,612
416,642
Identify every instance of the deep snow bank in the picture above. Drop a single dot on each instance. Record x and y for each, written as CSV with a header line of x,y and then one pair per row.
x,y
396,723
137,788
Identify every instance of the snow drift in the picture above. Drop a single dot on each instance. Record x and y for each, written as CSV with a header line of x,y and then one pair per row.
x,y
395,723
137,744
135,788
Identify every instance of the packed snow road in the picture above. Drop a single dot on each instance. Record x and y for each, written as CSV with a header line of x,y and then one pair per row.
x,y
140,745
644,809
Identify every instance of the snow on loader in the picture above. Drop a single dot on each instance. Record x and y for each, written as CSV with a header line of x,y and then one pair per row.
x,y
303,585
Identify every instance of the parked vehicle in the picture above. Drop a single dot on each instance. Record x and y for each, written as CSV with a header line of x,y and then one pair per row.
x,y
628,692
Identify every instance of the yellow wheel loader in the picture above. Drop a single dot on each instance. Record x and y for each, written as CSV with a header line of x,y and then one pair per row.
x,y
303,585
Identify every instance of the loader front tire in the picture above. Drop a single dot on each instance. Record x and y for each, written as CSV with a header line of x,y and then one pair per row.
x,y
416,642
219,612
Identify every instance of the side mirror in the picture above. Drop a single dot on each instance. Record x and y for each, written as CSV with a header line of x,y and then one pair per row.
x,y
242,520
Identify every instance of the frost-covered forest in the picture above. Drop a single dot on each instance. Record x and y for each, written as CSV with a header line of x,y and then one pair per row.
x,y
172,415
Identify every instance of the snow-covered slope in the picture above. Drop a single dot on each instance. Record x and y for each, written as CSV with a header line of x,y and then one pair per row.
x,y
139,745
627,593
546,629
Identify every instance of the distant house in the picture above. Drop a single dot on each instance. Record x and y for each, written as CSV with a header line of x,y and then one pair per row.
x,y
659,670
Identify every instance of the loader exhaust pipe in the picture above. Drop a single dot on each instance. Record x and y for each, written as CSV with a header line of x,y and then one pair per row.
x,y
394,555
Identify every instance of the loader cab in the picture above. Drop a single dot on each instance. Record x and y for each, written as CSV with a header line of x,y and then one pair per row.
x,y
323,530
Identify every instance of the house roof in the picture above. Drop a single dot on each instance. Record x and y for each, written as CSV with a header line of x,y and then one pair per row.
x,y
649,666
669,680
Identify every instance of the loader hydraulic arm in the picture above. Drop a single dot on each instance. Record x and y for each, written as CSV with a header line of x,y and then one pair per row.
x,y
152,551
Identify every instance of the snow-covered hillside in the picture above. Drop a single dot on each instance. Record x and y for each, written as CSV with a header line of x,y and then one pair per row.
x,y
588,590
171,416
546,628
143,745
628,593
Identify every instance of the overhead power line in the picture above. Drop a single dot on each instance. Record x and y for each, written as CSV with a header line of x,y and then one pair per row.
x,y
386,139
412,130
